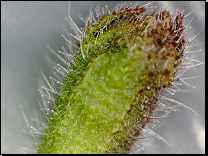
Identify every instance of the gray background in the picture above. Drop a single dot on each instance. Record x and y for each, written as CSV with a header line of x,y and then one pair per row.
x,y
27,27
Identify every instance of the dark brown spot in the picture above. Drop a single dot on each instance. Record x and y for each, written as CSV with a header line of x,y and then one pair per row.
x,y
167,72
141,91
149,56
136,132
151,74
177,57
78,44
143,124
159,41
174,43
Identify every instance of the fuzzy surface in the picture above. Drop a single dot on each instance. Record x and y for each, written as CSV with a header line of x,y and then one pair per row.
x,y
109,96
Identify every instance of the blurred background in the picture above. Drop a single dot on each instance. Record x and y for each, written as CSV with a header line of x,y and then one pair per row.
x,y
28,27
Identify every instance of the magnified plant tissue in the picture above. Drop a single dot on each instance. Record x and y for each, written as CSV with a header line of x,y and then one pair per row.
x,y
114,80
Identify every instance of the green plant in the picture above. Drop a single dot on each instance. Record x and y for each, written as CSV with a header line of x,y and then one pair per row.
x,y
114,82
